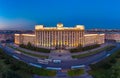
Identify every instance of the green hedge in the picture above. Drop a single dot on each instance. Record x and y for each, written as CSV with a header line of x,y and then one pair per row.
x,y
106,48
33,48
80,48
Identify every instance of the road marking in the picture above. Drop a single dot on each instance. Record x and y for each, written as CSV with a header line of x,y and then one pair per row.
x,y
52,68
80,66
56,61
35,65
16,57
107,55
42,61
18,52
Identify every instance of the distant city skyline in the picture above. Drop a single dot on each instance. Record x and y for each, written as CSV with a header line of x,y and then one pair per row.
x,y
24,14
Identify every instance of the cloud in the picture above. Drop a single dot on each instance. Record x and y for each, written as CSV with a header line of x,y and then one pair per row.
x,y
16,24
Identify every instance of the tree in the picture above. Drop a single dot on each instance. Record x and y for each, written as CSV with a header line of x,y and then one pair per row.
x,y
10,74
29,46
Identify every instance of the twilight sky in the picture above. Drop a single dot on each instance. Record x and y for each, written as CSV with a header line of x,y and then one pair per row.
x,y
24,14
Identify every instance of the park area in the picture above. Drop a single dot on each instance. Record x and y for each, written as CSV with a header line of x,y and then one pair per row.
x,y
12,68
107,68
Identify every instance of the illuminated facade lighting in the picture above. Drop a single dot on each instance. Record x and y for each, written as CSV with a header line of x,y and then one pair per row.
x,y
50,37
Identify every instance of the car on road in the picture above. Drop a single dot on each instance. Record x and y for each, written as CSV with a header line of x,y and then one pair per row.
x,y
18,52
42,61
57,61
49,60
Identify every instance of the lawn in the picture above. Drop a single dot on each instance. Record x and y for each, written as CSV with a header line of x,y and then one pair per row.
x,y
28,53
75,72
86,48
110,47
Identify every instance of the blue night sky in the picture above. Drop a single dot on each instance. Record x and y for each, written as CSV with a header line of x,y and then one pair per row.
x,y
24,14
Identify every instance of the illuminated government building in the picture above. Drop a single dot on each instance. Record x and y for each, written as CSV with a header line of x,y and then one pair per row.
x,y
60,36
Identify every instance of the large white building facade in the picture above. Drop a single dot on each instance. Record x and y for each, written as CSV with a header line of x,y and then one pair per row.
x,y
112,36
67,37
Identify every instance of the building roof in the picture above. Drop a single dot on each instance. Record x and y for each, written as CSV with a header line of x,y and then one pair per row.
x,y
59,27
